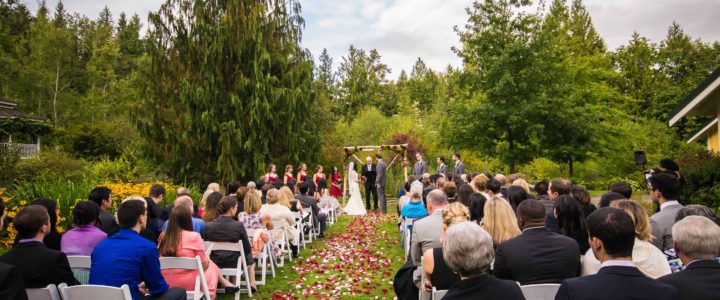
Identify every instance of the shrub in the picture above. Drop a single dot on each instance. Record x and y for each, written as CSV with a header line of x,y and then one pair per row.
x,y
701,170
9,158
51,165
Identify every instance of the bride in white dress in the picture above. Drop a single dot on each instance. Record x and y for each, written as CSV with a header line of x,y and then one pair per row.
x,y
355,205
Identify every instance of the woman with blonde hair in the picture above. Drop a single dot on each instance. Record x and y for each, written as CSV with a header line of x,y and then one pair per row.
x,y
213,187
522,183
499,220
282,219
288,176
648,258
437,272
287,198
478,184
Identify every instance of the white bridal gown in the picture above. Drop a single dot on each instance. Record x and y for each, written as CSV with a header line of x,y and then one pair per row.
x,y
355,205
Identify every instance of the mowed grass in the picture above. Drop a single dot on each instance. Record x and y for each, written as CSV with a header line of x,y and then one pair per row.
x,y
370,271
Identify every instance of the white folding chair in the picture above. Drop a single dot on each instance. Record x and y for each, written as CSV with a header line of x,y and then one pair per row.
x,y
262,260
49,292
300,228
84,292
240,271
208,248
438,294
284,241
540,291
193,264
80,266
407,233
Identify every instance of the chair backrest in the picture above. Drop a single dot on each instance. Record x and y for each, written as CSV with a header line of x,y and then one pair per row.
x,y
49,292
78,261
186,263
540,291
83,292
438,294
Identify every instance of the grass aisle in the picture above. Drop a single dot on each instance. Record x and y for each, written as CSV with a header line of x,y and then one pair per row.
x,y
357,260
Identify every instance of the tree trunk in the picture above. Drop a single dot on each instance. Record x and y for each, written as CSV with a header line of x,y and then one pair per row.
x,y
570,165
57,90
511,146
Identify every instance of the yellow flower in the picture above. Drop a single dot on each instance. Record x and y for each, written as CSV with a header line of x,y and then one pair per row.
x,y
23,202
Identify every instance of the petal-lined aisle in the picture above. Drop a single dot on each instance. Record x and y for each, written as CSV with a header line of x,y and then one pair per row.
x,y
356,260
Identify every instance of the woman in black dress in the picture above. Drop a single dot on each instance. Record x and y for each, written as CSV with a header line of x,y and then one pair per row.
x,y
437,272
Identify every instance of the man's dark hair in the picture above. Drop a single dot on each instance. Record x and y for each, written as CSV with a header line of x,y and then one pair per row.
x,y
493,185
456,154
157,190
291,184
541,188
378,155
531,210
476,206
129,213
668,185
434,177
623,188
29,220
226,204
456,178
99,194
304,187
515,195
441,158
85,213
615,229
559,186
406,186
233,187
609,197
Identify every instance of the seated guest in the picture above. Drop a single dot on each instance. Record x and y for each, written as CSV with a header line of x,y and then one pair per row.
x,y
581,195
156,196
468,250
449,189
609,197
212,207
538,255
178,240
541,194
479,184
198,224
696,239
665,191
415,209
330,202
53,238
254,222
556,188
128,258
38,264
696,210
426,231
612,236
494,189
464,191
226,229
622,188
82,239
476,205
405,198
101,196
307,201
499,221
11,283
515,195
648,259
571,221
144,232
437,272
282,218
524,185
287,199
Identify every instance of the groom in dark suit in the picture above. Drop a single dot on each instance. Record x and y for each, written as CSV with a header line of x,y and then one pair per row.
x,y
380,181
369,173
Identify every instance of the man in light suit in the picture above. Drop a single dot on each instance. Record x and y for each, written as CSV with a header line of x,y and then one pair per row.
x,y
458,168
696,240
442,168
420,167
664,190
612,236
380,182
426,231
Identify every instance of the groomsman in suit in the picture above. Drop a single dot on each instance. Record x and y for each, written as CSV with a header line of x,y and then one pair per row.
x,y
380,183
442,168
369,173
459,168
420,167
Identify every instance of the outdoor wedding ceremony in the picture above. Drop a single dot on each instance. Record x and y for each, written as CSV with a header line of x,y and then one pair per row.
x,y
359,149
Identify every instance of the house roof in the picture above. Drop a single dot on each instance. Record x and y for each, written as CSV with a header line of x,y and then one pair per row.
x,y
8,109
704,131
696,103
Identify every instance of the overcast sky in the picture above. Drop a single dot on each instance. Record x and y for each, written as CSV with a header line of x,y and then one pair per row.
x,y
403,30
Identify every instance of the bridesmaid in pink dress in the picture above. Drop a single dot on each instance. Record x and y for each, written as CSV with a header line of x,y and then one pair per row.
x,y
179,240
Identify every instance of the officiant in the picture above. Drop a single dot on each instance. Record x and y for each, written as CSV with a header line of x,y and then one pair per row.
x,y
368,176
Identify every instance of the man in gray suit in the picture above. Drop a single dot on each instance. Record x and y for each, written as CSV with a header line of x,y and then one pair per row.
x,y
426,231
420,167
459,168
442,168
664,190
380,182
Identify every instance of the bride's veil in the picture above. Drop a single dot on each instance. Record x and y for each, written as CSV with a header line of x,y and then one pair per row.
x,y
351,166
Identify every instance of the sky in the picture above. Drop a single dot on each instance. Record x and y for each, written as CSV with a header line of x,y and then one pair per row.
x,y
403,30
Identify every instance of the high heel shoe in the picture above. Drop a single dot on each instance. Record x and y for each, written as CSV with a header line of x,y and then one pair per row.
x,y
231,289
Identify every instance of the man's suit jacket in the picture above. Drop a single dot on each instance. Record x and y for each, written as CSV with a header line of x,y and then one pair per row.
x,y
425,235
309,202
107,222
537,256
380,179
39,265
369,175
459,168
616,282
11,283
484,287
699,281
420,168
662,223
442,169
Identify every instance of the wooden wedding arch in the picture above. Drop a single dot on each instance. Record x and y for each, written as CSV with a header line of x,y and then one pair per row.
x,y
399,149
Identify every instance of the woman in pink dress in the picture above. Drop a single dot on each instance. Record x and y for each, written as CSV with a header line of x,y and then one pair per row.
x,y
179,240
272,173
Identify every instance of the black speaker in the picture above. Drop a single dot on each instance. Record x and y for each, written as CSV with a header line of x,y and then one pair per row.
x,y
640,157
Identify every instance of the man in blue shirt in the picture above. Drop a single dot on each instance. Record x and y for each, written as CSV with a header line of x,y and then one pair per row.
x,y
198,224
128,258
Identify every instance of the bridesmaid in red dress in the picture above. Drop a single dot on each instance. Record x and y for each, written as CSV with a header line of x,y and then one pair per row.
x,y
335,182
288,174
302,174
319,179
272,173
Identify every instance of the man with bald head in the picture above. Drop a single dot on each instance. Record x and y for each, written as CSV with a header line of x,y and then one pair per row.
x,y
426,231
185,200
538,255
